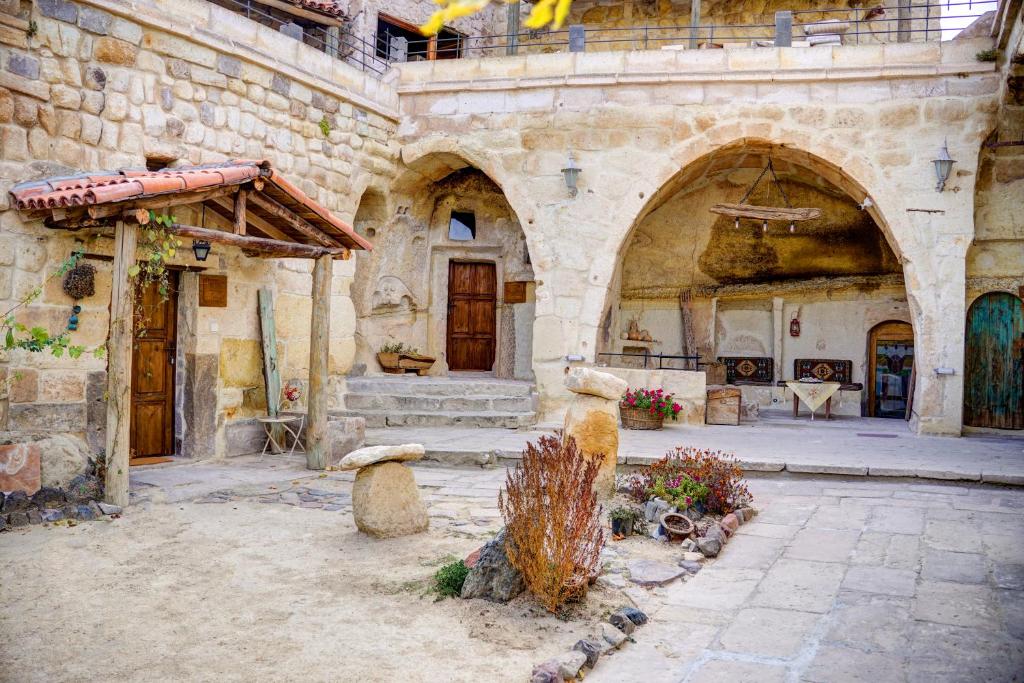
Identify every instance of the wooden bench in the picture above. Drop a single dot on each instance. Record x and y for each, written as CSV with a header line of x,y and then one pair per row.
x,y
748,370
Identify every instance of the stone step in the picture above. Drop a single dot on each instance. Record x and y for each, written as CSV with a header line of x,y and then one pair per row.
x,y
438,386
470,403
442,418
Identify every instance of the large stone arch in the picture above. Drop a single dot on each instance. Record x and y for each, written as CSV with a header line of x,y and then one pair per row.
x,y
400,290
933,263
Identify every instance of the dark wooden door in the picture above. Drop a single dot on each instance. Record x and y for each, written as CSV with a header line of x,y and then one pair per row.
x,y
152,418
994,362
472,295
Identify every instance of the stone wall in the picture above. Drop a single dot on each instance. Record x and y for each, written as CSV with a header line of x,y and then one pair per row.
x,y
103,84
868,118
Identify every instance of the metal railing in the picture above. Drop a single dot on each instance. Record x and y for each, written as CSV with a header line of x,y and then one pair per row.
x,y
689,362
899,21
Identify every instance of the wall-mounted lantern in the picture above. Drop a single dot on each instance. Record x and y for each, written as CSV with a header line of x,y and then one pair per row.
x,y
571,173
943,167
201,248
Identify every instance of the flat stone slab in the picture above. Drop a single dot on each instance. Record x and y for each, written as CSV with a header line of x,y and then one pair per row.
x,y
372,455
653,573
582,380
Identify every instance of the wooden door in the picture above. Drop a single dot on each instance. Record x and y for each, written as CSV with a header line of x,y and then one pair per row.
x,y
994,362
890,368
153,348
472,297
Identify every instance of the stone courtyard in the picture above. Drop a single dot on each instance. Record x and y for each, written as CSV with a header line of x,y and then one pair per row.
x,y
240,567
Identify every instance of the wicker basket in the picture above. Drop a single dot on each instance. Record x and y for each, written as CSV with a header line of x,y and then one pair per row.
x,y
640,418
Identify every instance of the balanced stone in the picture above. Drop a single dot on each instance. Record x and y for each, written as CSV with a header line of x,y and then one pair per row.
x,y
386,502
372,455
594,383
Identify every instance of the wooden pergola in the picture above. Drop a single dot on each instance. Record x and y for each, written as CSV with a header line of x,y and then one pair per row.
x,y
251,207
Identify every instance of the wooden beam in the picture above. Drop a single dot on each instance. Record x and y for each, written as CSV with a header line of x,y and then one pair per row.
x,y
257,245
119,365
765,213
319,354
257,222
240,212
292,219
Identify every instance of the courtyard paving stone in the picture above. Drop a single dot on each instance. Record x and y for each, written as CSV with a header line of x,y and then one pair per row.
x,y
870,622
768,632
955,604
822,545
883,580
718,670
945,565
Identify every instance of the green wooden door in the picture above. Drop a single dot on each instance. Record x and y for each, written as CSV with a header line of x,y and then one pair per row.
x,y
994,362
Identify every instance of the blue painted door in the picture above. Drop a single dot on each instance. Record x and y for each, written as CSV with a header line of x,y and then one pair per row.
x,y
994,362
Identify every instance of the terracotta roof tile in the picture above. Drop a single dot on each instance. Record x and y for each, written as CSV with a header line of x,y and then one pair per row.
x,y
127,185
329,7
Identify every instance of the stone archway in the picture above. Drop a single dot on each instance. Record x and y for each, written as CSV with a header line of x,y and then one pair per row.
x,y
401,289
748,291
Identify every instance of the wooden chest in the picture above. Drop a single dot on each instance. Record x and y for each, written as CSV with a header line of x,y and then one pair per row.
x,y
723,406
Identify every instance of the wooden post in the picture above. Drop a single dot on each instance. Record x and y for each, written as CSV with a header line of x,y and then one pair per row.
x,y
119,365
319,352
512,27
271,376
694,23
240,212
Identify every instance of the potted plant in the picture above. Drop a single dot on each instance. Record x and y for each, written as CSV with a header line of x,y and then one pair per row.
x,y
397,358
625,519
647,408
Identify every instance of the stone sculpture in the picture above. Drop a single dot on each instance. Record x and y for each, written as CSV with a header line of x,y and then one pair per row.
x,y
385,500
593,421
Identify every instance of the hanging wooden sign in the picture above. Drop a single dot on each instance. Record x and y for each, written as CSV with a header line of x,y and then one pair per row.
x,y
213,291
765,213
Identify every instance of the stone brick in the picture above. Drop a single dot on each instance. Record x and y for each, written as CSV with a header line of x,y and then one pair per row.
x,y
70,124
95,78
92,129
945,111
23,65
62,417
15,143
115,51
8,107
58,9
65,97
280,85
126,30
93,102
94,20
116,108
229,66
20,468
61,387
26,111
24,386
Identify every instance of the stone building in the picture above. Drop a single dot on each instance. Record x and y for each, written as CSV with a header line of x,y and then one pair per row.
x,y
454,170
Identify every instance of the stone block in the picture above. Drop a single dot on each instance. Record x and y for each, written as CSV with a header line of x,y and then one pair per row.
x,y
19,468
593,423
62,417
24,385
581,380
115,51
59,386
386,502
58,9
126,30
94,20
23,65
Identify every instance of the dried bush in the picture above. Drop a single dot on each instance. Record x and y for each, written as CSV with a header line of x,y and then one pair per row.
x,y
80,281
715,470
552,520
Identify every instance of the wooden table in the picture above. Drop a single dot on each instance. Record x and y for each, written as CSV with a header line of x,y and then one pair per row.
x,y
813,394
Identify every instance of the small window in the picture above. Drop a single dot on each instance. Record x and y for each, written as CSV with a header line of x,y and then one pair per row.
x,y
388,28
462,226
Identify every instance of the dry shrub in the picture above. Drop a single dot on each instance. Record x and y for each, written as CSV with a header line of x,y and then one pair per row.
x,y
552,520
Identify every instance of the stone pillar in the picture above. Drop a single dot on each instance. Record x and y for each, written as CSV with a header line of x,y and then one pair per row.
x,y
936,292
593,421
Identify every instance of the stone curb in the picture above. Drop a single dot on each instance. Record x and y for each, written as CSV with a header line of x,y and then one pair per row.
x,y
455,457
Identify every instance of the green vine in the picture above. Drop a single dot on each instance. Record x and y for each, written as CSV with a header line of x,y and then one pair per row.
x,y
158,246
38,339
325,126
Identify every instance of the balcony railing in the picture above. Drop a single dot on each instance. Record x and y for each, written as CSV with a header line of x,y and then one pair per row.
x,y
900,21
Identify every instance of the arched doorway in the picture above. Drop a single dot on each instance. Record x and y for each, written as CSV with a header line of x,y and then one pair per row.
x,y
994,362
450,275
760,299
890,369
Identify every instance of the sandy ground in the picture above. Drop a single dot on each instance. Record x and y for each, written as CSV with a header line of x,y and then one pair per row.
x,y
254,592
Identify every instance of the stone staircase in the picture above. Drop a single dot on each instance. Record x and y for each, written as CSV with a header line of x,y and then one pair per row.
x,y
410,401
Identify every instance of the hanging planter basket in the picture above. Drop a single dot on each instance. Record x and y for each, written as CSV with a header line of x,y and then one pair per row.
x,y
80,281
641,418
